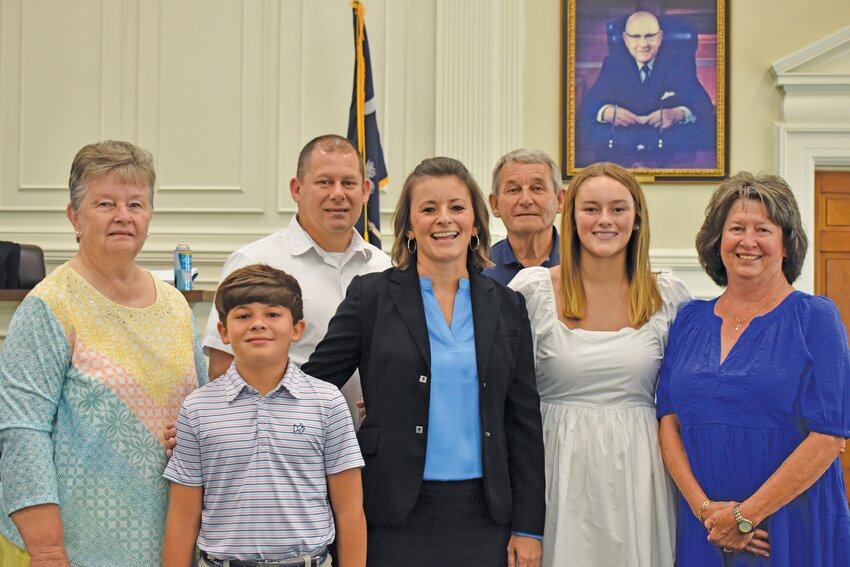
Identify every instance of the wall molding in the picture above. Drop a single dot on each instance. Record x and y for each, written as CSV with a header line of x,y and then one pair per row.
x,y
479,94
815,130
684,264
681,262
210,249
801,150
787,68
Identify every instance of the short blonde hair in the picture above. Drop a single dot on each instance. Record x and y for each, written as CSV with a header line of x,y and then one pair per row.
x,y
124,160
644,295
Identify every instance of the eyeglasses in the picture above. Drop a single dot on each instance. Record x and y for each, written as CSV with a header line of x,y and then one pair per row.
x,y
645,37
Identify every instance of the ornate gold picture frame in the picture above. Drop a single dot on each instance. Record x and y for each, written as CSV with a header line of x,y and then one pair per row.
x,y
645,87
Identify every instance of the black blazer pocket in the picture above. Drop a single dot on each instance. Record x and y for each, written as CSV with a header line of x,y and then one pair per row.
x,y
368,439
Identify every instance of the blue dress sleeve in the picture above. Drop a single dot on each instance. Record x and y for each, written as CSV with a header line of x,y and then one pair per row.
x,y
34,362
663,396
825,387
663,403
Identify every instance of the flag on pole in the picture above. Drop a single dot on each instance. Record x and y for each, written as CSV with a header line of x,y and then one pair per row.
x,y
363,129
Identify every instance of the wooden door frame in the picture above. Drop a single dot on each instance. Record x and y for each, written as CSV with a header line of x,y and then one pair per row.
x,y
800,151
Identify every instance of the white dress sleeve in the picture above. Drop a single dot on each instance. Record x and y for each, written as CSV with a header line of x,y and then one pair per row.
x,y
535,285
674,295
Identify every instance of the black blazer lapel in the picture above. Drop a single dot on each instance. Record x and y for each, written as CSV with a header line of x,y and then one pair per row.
x,y
485,315
406,294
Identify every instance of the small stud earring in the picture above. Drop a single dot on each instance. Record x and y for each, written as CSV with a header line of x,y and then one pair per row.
x,y
636,228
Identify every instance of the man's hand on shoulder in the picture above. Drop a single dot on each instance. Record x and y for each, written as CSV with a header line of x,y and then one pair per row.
x,y
169,436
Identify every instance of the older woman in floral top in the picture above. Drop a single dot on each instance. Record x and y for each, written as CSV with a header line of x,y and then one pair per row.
x,y
98,358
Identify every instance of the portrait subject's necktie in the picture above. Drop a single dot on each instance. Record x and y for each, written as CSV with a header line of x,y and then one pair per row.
x,y
644,73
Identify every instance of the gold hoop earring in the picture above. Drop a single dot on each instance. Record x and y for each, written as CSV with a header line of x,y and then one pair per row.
x,y
411,249
477,243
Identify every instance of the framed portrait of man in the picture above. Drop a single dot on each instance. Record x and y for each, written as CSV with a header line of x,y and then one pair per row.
x,y
644,85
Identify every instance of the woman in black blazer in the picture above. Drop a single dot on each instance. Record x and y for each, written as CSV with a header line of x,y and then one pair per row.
x,y
452,443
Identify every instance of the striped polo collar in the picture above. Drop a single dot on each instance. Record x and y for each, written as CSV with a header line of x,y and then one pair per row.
x,y
292,382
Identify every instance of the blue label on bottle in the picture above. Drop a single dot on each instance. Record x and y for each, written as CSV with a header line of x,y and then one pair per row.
x,y
185,260
183,269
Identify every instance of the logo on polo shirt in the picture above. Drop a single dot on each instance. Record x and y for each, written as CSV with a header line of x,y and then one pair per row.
x,y
298,428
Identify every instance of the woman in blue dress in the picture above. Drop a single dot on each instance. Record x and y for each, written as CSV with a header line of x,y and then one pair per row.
x,y
754,395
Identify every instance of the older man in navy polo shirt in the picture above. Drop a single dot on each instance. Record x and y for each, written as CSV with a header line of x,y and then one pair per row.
x,y
527,195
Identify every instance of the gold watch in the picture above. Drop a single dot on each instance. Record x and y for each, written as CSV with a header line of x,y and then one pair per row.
x,y
745,526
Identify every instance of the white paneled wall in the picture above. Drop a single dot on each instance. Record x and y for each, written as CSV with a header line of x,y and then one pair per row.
x,y
226,92
479,82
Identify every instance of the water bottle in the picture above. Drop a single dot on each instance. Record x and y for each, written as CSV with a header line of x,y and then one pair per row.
x,y
183,266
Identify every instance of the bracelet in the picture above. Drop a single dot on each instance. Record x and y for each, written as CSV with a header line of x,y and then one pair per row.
x,y
702,509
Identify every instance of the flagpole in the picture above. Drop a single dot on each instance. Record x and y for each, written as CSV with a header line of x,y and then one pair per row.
x,y
363,128
360,12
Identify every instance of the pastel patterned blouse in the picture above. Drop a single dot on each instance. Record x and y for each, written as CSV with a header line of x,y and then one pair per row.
x,y
86,387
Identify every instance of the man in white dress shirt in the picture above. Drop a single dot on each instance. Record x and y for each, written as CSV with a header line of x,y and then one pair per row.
x,y
320,248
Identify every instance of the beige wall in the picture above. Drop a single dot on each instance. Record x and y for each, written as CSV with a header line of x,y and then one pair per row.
x,y
762,32
225,93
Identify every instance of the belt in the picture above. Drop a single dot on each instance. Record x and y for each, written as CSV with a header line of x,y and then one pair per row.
x,y
313,561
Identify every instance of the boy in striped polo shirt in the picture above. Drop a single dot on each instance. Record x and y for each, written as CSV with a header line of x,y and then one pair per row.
x,y
266,456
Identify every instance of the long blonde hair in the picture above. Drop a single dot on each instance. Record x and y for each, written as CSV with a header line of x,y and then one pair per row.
x,y
644,295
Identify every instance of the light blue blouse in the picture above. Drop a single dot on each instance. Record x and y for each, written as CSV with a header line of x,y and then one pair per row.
x,y
454,423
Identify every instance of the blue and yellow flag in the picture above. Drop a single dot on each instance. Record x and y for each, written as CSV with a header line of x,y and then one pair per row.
x,y
363,129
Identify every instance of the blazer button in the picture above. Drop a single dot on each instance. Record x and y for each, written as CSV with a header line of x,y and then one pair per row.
x,y
485,384
486,434
423,379
420,429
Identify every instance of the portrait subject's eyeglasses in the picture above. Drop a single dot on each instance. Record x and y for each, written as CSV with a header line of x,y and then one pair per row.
x,y
645,37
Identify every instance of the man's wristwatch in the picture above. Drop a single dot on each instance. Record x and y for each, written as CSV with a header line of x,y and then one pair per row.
x,y
745,526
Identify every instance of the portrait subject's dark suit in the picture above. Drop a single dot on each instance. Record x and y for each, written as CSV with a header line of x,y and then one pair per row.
x,y
380,328
672,82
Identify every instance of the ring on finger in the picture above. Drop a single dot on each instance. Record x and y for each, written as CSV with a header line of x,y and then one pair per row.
x,y
727,550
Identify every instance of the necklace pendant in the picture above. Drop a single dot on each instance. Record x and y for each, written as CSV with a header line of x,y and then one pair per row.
x,y
738,326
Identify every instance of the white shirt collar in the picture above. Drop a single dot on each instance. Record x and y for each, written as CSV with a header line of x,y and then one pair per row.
x,y
651,63
302,242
